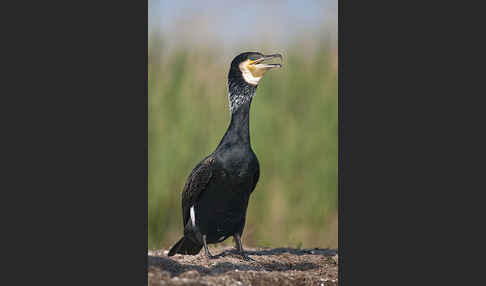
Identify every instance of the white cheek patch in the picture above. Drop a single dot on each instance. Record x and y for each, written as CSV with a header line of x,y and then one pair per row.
x,y
247,75
193,216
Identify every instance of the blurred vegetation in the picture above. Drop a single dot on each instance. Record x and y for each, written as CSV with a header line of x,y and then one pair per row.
x,y
293,129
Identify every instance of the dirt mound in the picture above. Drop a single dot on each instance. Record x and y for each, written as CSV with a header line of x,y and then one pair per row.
x,y
277,266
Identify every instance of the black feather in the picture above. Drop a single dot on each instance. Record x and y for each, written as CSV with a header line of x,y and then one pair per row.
x,y
219,187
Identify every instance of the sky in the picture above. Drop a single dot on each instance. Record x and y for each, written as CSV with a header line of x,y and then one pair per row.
x,y
231,23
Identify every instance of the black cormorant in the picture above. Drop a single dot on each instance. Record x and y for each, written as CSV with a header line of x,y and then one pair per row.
x,y
216,194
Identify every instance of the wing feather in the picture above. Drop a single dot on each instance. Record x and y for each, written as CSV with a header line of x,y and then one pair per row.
x,y
195,184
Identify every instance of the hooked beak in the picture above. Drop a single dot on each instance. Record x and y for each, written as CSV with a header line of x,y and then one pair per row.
x,y
261,62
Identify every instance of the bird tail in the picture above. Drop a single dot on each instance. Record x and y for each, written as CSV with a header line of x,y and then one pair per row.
x,y
185,246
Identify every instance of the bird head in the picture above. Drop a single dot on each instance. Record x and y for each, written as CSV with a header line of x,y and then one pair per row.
x,y
245,72
251,66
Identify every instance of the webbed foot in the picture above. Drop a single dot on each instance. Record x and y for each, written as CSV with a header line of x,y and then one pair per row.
x,y
247,258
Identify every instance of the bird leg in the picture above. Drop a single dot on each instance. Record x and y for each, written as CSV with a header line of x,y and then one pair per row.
x,y
239,247
206,250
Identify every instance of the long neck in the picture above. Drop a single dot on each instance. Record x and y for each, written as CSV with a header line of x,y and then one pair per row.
x,y
239,96
238,131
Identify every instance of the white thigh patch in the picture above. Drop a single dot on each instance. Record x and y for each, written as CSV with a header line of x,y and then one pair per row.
x,y
193,216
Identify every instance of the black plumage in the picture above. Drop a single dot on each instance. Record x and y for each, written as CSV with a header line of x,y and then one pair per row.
x,y
216,194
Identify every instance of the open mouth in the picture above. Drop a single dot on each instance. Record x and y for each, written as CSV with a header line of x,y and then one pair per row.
x,y
266,62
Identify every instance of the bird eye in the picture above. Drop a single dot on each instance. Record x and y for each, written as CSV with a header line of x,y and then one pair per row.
x,y
253,57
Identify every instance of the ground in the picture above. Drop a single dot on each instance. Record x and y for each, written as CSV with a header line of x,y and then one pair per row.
x,y
276,266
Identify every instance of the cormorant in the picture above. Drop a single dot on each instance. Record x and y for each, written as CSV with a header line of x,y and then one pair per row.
x,y
216,194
